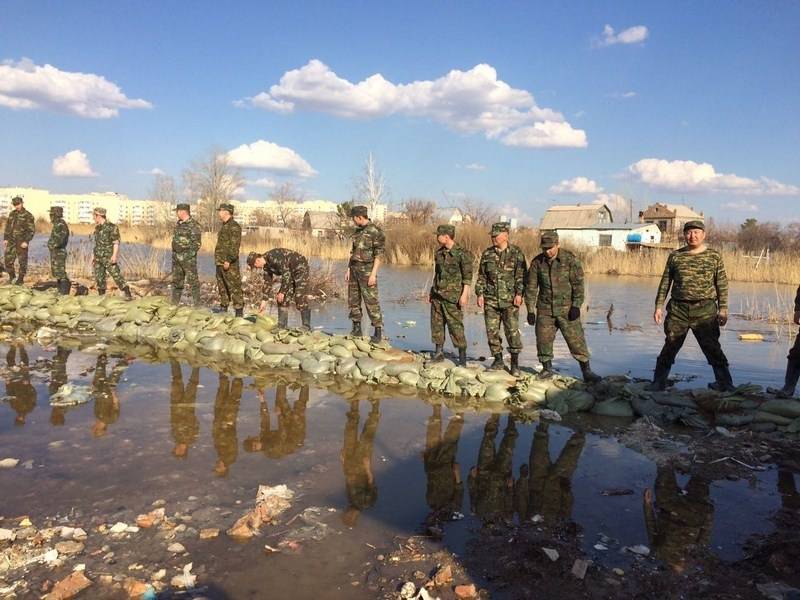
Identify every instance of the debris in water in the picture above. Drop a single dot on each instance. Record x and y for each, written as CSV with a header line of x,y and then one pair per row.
x,y
71,395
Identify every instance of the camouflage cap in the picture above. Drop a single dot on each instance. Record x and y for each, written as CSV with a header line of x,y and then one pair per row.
x,y
446,230
99,210
226,206
694,225
251,259
57,211
498,228
548,239
183,206
16,200
359,211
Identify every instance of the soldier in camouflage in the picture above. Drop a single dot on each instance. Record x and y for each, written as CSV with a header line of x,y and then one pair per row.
x,y
224,427
292,269
553,297
445,489
362,272
226,260
106,253
793,360
500,285
699,302
185,245
19,231
57,245
452,278
491,481
182,414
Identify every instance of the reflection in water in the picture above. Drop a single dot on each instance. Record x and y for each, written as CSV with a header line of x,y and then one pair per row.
x,y
183,419
787,488
226,413
491,481
681,520
104,392
445,491
362,493
18,384
290,432
58,377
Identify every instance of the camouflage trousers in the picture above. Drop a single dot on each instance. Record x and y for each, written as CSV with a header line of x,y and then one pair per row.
x,y
102,269
229,286
701,319
446,313
492,494
184,270
493,316
358,290
298,289
547,323
14,252
58,263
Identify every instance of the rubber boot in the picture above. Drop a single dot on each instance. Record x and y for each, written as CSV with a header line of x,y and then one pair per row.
x,y
659,383
20,278
239,312
101,291
515,365
283,318
498,364
127,291
547,370
11,275
439,354
64,287
724,382
462,357
790,381
377,335
588,375
305,318
176,296
356,330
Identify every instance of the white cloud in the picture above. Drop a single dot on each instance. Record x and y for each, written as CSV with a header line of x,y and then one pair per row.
x,y
632,35
268,156
575,186
153,171
473,101
263,182
27,86
687,176
623,95
740,206
73,164
475,167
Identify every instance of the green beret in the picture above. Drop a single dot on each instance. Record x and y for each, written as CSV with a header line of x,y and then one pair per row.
x,y
251,259
694,225
359,211
183,206
548,239
99,210
226,206
16,200
500,228
446,230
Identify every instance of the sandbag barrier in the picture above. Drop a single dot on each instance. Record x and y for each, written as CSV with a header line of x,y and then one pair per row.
x,y
154,329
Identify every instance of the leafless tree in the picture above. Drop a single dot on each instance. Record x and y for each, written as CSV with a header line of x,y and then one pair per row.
x,y
418,211
477,211
165,192
370,186
211,180
286,198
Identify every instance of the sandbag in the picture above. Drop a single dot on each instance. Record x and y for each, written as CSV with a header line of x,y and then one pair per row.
x,y
345,365
408,378
279,348
340,351
370,367
490,377
314,367
496,392
762,416
784,408
396,368
613,408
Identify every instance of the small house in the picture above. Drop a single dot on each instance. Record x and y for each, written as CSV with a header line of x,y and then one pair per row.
x,y
576,216
670,218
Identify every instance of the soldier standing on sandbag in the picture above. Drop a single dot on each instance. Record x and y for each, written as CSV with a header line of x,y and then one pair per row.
x,y
793,360
20,227
699,302
553,297
292,268
448,296
57,244
226,260
362,272
500,285
185,246
106,253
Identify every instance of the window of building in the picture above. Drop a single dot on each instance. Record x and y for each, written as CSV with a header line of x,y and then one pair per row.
x,y
605,240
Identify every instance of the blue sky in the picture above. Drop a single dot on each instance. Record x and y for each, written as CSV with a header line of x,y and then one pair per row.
x,y
691,102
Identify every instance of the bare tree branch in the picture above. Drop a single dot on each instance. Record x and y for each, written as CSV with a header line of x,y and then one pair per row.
x,y
211,181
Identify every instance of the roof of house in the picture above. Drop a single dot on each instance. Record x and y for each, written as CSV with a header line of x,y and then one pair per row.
x,y
681,211
321,219
577,216
612,227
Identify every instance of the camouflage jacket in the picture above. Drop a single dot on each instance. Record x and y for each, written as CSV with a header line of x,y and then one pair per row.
x,y
368,244
105,236
20,226
286,264
59,235
694,277
229,239
501,275
452,271
554,284
186,238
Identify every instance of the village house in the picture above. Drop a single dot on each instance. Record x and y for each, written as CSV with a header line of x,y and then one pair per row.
x,y
669,218
592,226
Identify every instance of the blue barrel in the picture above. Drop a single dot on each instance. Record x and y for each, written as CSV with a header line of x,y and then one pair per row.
x,y
634,238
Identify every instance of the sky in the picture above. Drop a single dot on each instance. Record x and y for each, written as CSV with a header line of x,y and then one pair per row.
x,y
518,104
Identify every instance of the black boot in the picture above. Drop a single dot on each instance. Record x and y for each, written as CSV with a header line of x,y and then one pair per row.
x,y
101,291
588,375
515,365
176,295
377,336
20,278
724,382
356,330
497,363
547,370
127,291
283,317
659,383
790,381
305,318
11,275
462,357
64,287
439,354
239,312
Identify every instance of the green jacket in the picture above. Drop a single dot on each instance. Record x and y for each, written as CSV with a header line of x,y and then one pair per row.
x,y
694,277
554,284
368,244
20,226
229,239
286,264
452,271
501,275
104,237
59,235
186,238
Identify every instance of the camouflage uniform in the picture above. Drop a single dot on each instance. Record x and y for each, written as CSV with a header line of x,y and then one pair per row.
x,y
357,457
106,403
292,268
368,246
185,245
105,235
229,283
19,388
183,420
491,482
501,276
550,492
223,430
552,288
58,377
445,491
57,245
452,271
290,434
20,227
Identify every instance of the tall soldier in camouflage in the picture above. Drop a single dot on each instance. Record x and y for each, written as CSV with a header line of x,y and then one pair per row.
x,y
793,360
452,278
185,246
491,481
19,231
106,253
500,285
553,297
226,260
362,272
292,269
182,414
699,302
57,244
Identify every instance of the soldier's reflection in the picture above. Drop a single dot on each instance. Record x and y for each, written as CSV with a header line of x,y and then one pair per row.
x,y
290,432
356,457
183,418
226,413
18,384
445,491
549,483
787,488
104,392
491,481
58,377
679,520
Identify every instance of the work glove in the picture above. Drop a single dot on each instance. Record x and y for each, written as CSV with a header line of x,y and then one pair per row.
x,y
574,313
531,318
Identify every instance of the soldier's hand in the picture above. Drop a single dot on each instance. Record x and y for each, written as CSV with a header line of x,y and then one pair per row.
x,y
463,300
722,317
113,260
531,318
372,281
574,313
262,307
658,316
24,245
518,300
480,301
5,243
226,265
797,317
279,297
